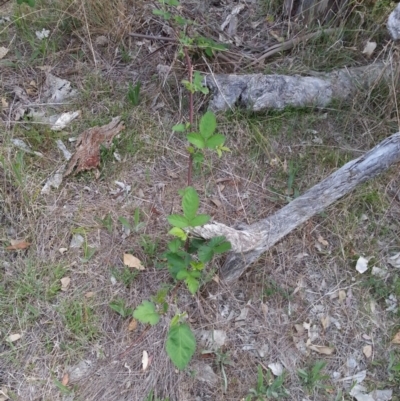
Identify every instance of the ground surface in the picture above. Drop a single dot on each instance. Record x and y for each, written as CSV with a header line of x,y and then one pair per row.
x,y
306,290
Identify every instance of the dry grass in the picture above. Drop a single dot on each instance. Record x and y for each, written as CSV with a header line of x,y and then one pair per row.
x,y
296,282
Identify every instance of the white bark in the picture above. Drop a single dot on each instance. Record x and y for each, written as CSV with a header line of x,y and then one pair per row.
x,y
248,244
259,92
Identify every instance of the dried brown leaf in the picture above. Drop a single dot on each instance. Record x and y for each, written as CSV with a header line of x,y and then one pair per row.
x,y
367,351
65,282
133,262
145,361
133,325
216,202
13,337
322,349
326,321
396,338
65,379
89,294
322,241
87,154
18,244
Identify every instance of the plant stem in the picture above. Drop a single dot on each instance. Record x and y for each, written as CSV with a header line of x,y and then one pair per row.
x,y
191,111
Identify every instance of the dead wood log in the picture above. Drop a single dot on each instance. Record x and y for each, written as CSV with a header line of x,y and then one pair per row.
x,y
249,243
258,92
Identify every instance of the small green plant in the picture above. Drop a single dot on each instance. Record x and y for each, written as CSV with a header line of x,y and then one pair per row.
x,y
80,319
125,275
313,378
30,3
136,226
134,93
149,245
106,222
292,192
186,257
272,388
152,397
222,359
394,368
120,307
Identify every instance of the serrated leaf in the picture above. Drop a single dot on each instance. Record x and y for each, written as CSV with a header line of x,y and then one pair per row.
x,y
180,345
178,232
192,284
208,124
182,274
190,204
205,254
224,247
215,141
174,245
215,241
199,220
196,140
197,266
177,220
119,307
179,128
176,263
146,313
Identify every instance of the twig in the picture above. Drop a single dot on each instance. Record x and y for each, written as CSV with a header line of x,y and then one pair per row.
x,y
190,73
290,43
123,354
143,36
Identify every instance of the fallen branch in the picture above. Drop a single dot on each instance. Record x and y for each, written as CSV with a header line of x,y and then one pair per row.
x,y
248,244
258,92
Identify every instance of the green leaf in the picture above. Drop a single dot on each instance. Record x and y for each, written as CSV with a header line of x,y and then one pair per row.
x,y
166,15
178,232
119,307
182,274
174,245
190,204
172,2
196,140
124,222
215,141
180,345
146,313
177,262
204,90
179,128
205,254
208,124
198,158
199,220
177,220
224,247
197,266
192,284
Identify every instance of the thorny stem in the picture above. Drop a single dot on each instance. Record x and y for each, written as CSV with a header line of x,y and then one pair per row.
x,y
190,73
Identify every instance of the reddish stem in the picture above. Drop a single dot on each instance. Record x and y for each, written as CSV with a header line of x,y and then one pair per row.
x,y
191,111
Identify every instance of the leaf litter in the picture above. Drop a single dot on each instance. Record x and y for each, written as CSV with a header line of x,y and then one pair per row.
x,y
87,154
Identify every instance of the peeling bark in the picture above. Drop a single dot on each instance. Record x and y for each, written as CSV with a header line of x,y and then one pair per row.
x,y
259,92
248,244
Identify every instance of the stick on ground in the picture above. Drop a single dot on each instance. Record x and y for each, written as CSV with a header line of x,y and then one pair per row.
x,y
254,240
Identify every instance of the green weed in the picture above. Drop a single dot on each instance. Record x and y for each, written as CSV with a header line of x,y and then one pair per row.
x,y
125,275
134,93
312,378
268,387
80,319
